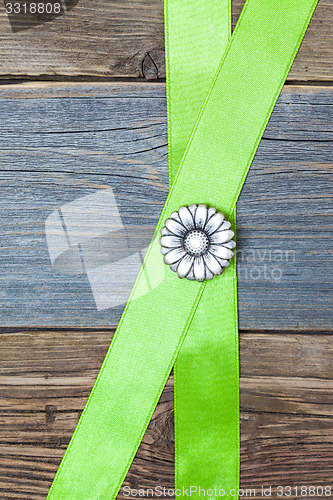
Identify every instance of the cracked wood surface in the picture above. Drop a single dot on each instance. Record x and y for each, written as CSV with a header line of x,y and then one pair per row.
x,y
63,142
286,410
124,38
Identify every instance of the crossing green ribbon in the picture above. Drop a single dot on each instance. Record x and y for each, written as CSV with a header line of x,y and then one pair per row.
x,y
216,120
206,379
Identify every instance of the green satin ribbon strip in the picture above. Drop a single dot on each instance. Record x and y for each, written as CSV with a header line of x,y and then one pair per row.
x,y
155,322
206,375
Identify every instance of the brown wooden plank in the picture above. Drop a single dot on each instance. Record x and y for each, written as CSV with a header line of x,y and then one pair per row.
x,y
286,410
124,39
60,143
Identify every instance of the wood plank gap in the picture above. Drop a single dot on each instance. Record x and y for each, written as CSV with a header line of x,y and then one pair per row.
x,y
17,79
15,330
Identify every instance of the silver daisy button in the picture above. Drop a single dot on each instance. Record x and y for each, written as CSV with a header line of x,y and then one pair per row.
x,y
197,242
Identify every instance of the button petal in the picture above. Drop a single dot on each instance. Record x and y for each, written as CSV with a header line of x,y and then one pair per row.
x,y
175,216
175,227
190,276
214,223
213,265
174,256
222,252
226,225
199,269
171,241
220,237
201,216
165,231
209,274
231,244
193,208
185,265
223,262
210,212
186,217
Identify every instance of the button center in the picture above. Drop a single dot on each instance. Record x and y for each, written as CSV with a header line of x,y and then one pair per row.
x,y
196,242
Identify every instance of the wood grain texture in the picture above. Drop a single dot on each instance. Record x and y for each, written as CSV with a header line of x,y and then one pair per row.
x,y
124,38
286,410
60,143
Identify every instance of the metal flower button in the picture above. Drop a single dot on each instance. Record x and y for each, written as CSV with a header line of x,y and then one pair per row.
x,y
197,242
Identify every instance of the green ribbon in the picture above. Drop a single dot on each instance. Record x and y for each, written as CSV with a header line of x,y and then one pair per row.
x,y
154,325
206,375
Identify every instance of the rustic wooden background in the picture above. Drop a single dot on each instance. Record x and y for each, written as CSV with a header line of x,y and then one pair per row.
x,y
82,109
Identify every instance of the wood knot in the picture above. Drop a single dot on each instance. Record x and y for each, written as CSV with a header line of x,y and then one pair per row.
x,y
153,65
50,411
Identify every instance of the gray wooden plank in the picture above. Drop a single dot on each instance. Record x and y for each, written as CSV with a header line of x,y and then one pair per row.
x,y
62,143
103,39
286,418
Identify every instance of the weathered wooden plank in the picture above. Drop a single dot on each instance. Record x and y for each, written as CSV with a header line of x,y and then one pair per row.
x,y
124,39
286,410
60,144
